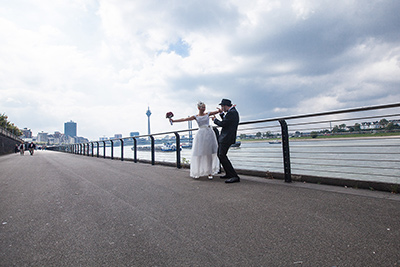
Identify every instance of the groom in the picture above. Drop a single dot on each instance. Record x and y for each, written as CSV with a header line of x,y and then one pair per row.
x,y
229,124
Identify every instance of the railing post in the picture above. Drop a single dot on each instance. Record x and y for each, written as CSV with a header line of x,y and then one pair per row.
x,y
112,149
178,150
152,150
98,147
80,149
134,150
88,150
92,149
104,149
286,152
122,149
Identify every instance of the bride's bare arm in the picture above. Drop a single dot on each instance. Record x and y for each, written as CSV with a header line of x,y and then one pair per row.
x,y
215,112
184,119
218,111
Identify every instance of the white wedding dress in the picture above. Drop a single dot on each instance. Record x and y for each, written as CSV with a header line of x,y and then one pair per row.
x,y
204,151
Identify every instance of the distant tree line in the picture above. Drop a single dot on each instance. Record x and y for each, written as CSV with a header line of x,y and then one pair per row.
x,y
382,125
8,125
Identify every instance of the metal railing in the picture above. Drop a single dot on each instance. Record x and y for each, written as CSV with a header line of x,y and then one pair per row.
x,y
365,154
308,146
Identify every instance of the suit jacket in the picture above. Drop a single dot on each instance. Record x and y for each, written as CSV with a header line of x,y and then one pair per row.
x,y
229,124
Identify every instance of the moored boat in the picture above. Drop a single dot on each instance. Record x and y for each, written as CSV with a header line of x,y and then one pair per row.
x,y
237,144
274,142
169,147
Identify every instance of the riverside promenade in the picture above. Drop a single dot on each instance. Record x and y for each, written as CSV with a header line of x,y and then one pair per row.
x,y
59,209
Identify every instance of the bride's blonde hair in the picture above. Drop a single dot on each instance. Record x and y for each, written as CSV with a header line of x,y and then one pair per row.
x,y
200,103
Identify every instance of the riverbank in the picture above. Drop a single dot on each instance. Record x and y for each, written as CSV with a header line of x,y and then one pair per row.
x,y
331,137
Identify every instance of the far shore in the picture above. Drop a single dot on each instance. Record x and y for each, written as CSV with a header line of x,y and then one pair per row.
x,y
323,138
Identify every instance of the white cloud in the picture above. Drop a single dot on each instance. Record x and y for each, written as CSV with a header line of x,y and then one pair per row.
x,y
102,63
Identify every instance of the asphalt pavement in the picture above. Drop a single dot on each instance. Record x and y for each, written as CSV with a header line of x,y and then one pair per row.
x,y
59,209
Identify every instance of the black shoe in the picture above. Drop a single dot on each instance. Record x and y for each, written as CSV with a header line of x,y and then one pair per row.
x,y
225,177
233,180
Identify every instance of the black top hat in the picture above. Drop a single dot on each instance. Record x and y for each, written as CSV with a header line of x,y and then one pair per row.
x,y
225,102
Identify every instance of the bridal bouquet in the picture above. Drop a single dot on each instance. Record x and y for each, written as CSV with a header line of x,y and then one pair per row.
x,y
169,116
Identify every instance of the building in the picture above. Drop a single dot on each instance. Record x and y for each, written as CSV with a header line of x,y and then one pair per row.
x,y
70,129
42,137
27,133
79,139
133,134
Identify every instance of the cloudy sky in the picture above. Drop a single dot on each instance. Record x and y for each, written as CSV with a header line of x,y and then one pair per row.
x,y
101,63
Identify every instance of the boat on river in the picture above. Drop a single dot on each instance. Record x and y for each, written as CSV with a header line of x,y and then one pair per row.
x,y
166,147
237,144
274,142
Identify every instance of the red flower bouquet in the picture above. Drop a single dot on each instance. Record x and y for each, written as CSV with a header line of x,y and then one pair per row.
x,y
169,116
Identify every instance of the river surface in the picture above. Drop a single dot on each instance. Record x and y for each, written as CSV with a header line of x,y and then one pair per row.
x,y
369,159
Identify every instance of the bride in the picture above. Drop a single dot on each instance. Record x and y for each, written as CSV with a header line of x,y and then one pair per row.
x,y
205,145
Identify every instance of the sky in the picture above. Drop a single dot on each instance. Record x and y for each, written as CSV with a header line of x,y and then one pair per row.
x,y
102,63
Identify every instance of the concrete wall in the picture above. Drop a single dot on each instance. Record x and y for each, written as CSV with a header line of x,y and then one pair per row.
x,y
7,144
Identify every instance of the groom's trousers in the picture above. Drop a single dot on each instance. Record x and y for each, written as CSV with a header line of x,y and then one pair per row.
x,y
226,163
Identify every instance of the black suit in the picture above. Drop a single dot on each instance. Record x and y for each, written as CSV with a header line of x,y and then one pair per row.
x,y
227,137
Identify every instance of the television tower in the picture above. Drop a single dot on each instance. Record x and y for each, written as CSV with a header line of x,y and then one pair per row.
x,y
148,113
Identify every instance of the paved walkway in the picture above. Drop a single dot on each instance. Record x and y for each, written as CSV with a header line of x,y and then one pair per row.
x,y
61,209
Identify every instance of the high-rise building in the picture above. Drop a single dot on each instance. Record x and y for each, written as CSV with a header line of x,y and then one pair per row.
x,y
70,128
27,132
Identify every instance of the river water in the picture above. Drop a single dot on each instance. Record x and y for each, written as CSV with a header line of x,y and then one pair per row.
x,y
369,159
